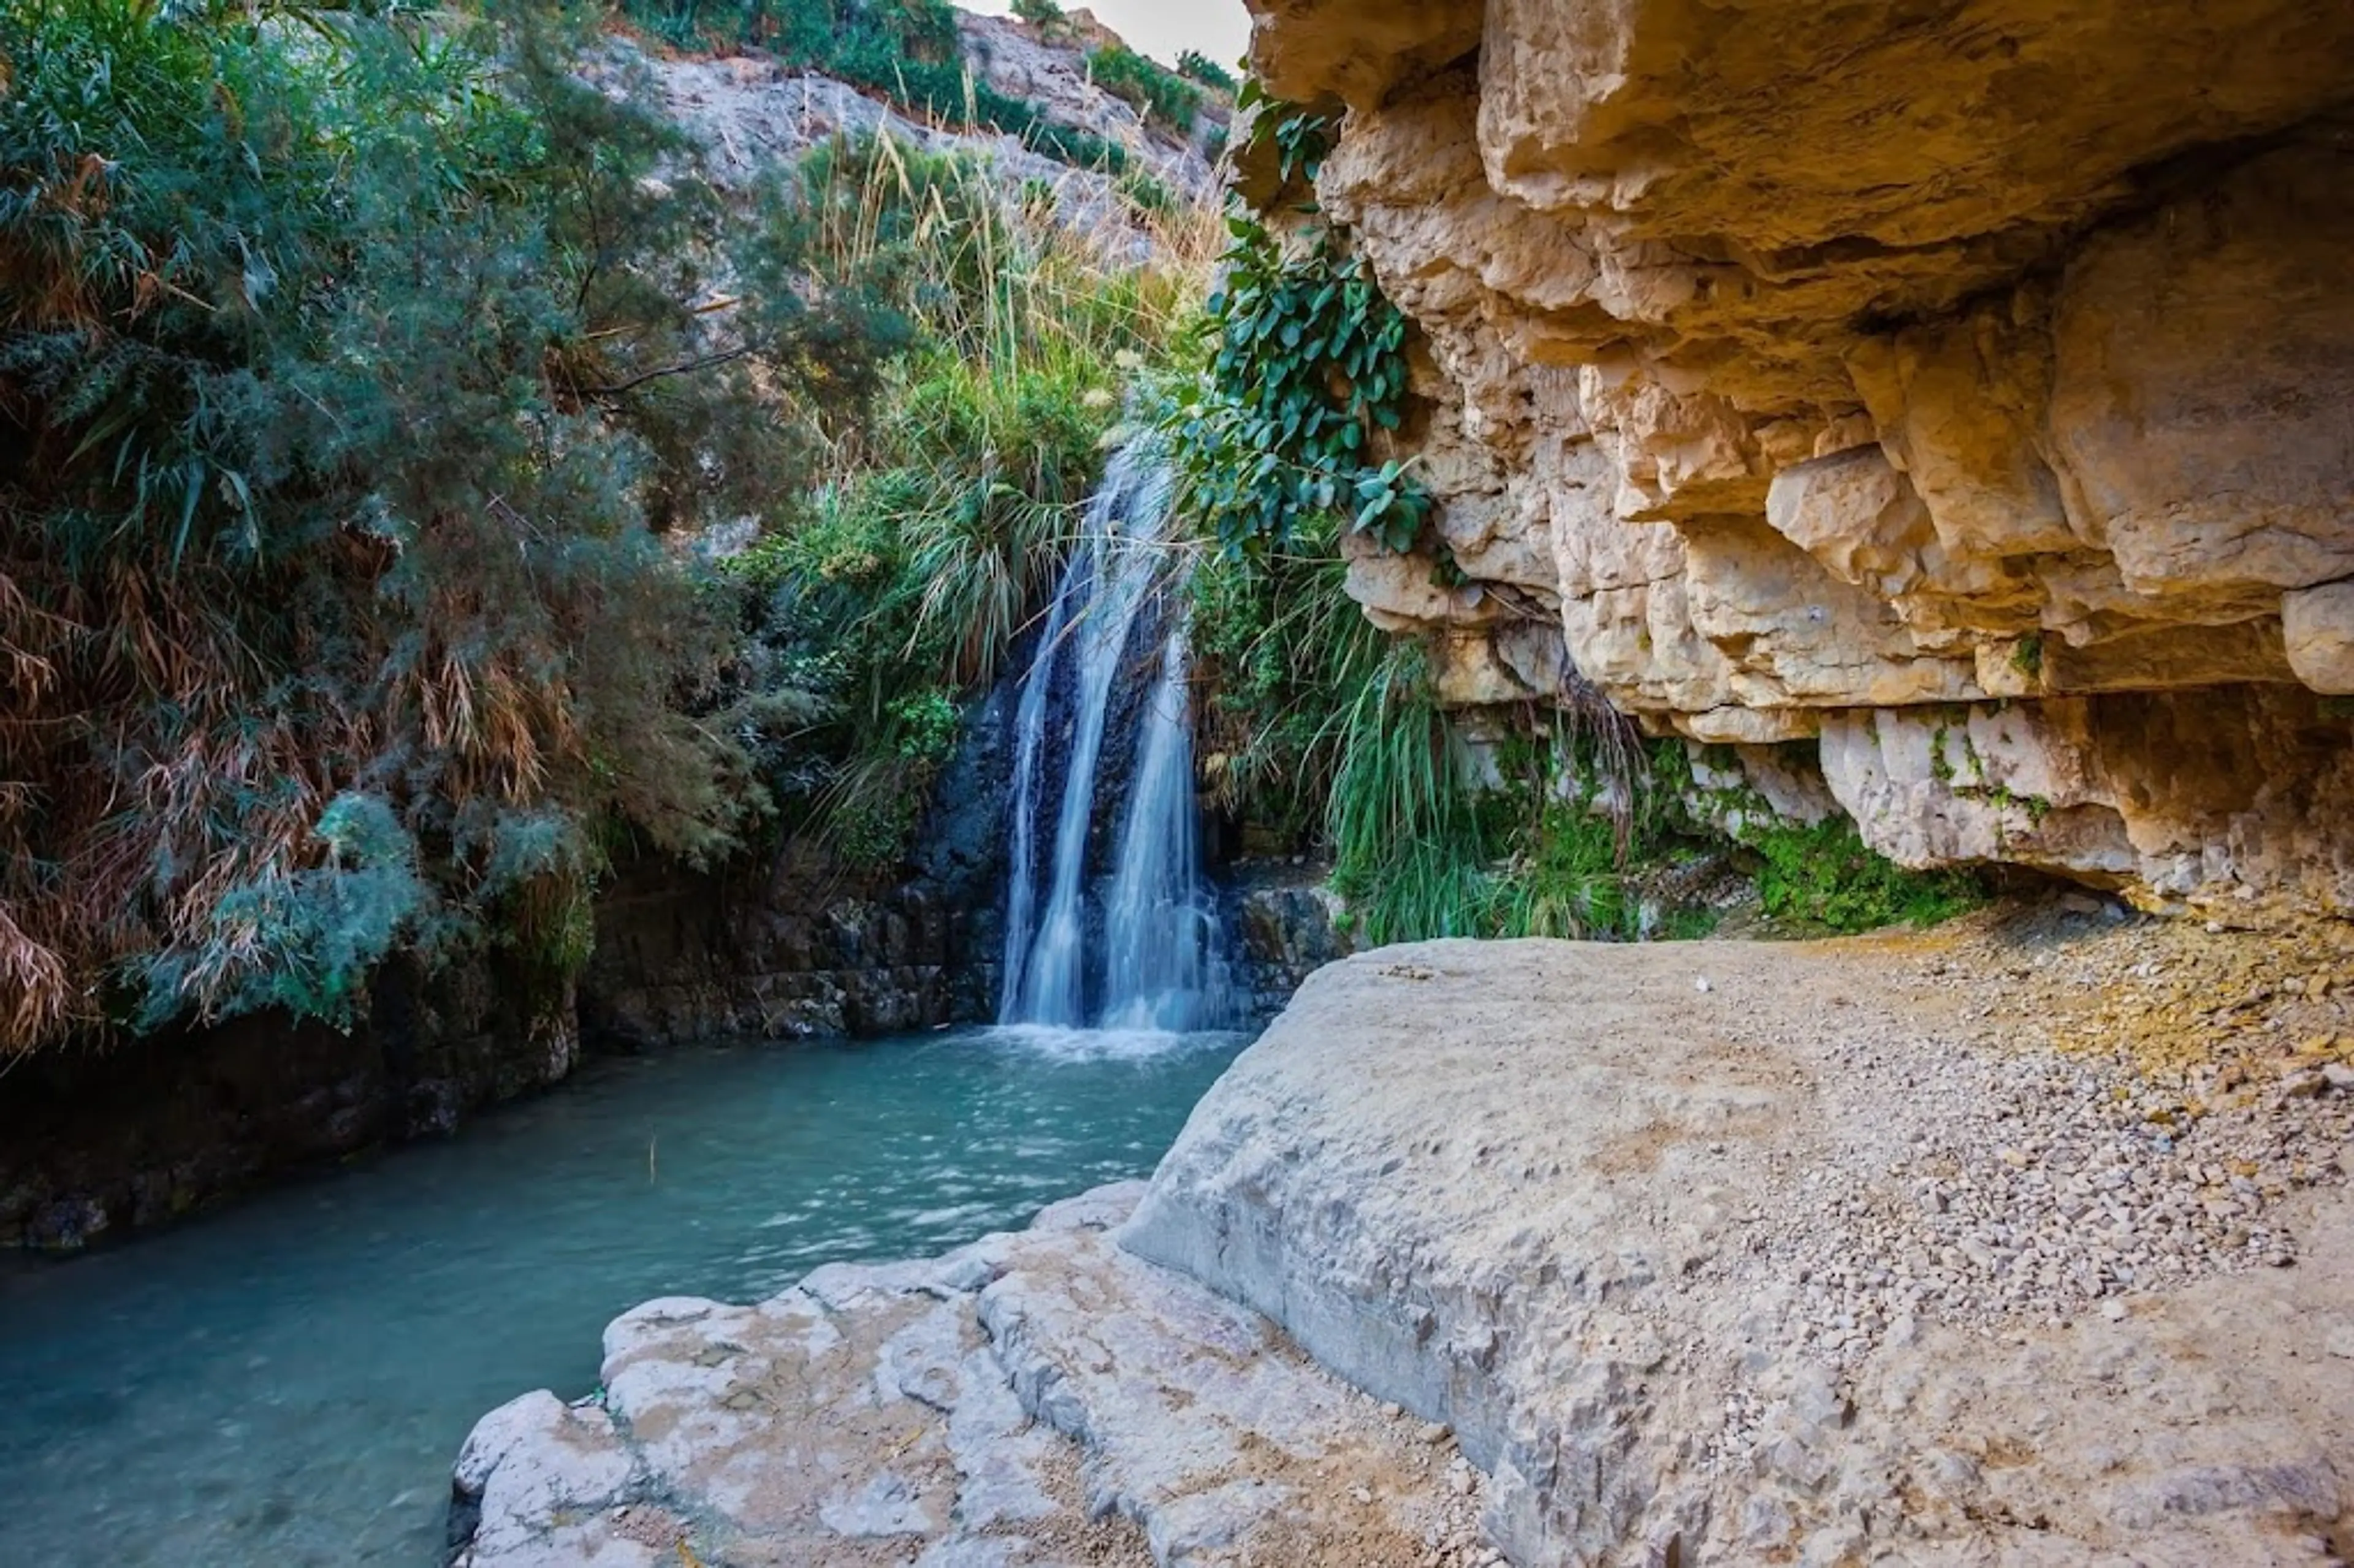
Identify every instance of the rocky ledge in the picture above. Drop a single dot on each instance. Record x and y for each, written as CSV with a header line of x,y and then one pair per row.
x,y
1958,393
1037,1399
1711,1253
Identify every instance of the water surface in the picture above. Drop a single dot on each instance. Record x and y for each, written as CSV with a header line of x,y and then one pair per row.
x,y
286,1383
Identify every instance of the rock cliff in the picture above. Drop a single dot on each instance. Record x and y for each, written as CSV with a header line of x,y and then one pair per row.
x,y
1965,391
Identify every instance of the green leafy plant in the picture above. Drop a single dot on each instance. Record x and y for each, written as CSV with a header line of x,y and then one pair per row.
x,y
1827,875
1198,67
1160,94
1308,365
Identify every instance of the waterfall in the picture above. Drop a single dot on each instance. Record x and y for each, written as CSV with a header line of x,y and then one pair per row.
x,y
1157,966
1029,747
1159,931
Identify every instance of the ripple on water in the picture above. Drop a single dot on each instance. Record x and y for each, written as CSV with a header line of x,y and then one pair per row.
x,y
288,1381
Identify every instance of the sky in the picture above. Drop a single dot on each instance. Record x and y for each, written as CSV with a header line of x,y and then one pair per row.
x,y
1219,28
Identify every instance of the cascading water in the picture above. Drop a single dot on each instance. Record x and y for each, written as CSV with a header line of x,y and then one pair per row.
x,y
1029,748
1159,931
1158,966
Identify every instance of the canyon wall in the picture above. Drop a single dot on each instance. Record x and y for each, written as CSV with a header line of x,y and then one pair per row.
x,y
1965,390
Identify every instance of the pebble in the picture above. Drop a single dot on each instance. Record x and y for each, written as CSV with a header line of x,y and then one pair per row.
x,y
1985,1178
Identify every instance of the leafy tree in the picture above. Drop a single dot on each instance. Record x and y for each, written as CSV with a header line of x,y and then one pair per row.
x,y
360,373
1048,17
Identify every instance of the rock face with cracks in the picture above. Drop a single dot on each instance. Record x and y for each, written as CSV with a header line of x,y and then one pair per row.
x,y
1847,376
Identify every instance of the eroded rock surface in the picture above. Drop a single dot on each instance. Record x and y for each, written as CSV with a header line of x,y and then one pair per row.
x,y
1035,1398
1808,365
1723,1252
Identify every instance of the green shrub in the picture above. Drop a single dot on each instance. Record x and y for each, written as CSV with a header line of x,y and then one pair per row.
x,y
1197,67
1308,363
1146,194
1044,14
1827,875
1160,94
355,374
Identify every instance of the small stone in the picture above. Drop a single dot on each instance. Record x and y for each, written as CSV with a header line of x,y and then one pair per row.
x,y
1392,1409
2338,1077
1700,984
1365,1495
2113,1311
1435,1431
2340,1342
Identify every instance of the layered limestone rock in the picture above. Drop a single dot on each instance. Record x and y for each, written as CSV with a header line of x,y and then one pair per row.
x,y
1876,371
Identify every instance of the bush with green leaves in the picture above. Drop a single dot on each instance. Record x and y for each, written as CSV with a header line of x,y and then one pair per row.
x,y
1196,66
1161,95
1306,373
1047,16
1826,875
1307,366
360,370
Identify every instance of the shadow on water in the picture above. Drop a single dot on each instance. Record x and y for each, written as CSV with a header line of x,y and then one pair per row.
x,y
287,1382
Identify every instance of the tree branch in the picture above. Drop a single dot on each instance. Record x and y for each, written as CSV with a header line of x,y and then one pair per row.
x,y
686,369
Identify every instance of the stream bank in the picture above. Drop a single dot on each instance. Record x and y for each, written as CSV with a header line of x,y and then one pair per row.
x,y
1702,1253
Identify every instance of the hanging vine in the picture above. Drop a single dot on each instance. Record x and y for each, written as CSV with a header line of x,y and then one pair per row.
x,y
1307,362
